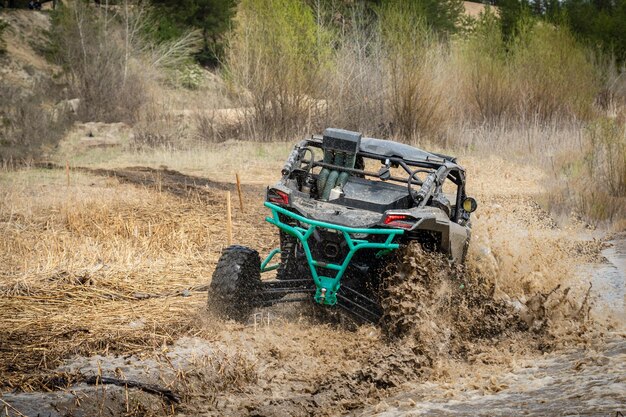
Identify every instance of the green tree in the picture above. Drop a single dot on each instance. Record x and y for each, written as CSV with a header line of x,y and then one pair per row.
x,y
442,16
511,13
601,23
598,23
212,17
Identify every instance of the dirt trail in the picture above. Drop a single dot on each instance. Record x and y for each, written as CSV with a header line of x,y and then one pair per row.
x,y
163,179
472,334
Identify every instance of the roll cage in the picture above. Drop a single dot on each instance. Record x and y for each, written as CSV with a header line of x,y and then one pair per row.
x,y
437,168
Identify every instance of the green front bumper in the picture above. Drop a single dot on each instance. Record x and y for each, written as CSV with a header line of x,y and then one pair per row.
x,y
327,286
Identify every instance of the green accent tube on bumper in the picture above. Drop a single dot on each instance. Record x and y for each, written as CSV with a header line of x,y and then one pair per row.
x,y
327,286
265,267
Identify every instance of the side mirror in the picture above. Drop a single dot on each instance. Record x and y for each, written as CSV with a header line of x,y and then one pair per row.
x,y
470,205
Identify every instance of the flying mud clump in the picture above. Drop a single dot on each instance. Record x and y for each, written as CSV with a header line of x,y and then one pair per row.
x,y
441,306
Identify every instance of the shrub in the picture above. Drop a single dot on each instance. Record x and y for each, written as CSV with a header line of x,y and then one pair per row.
x,y
414,62
541,74
277,54
606,156
486,93
356,81
189,76
552,73
593,177
612,96
96,54
28,124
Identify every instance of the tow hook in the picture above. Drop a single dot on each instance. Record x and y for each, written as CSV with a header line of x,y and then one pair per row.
x,y
323,295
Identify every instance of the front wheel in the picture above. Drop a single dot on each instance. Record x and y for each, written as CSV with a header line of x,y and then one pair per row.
x,y
236,284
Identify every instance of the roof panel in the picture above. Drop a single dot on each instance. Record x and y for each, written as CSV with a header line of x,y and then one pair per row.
x,y
400,150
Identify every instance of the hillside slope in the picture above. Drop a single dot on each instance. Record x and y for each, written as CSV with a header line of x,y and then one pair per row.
x,y
25,37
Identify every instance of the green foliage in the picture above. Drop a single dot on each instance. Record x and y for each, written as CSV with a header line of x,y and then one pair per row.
x,y
442,16
548,62
600,23
404,30
484,71
277,53
528,77
190,76
212,17
511,12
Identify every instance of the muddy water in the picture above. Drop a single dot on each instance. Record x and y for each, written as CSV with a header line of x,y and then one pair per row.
x,y
574,383
587,380
609,284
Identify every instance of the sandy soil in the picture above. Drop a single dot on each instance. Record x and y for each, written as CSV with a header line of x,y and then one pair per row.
x,y
26,32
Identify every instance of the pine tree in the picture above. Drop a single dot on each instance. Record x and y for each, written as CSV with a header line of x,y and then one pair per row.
x,y
212,17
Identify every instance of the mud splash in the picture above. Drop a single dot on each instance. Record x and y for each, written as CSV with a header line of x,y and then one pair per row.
x,y
587,382
441,320
442,307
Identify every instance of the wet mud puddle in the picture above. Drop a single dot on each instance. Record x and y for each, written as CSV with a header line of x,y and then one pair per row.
x,y
609,281
574,383
581,381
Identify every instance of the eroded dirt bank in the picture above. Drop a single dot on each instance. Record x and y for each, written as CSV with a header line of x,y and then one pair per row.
x,y
518,328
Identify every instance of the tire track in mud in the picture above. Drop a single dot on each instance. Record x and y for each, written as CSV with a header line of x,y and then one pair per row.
x,y
163,179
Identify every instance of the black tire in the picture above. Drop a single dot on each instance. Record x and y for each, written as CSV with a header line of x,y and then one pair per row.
x,y
236,284
288,268
293,265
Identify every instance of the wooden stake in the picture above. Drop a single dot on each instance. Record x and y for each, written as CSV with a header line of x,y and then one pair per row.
x,y
229,219
67,172
7,405
239,192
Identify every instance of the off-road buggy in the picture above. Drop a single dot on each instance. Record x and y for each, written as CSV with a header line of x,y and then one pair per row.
x,y
343,206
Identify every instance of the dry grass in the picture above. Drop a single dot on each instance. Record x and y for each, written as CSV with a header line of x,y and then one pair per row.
x,y
100,267
594,168
583,162
256,163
